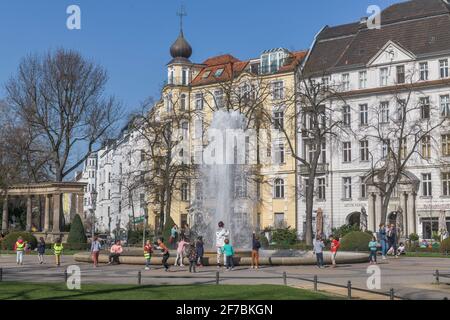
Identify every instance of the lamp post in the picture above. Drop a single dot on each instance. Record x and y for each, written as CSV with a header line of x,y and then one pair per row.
x,y
93,202
145,225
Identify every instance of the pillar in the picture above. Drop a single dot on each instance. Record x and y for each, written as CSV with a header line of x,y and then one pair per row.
x,y
411,214
29,212
378,206
404,206
371,220
47,213
56,212
5,217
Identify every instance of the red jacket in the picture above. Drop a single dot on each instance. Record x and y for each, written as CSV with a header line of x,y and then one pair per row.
x,y
335,245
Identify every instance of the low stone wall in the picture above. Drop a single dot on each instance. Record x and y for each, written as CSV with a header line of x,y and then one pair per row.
x,y
308,258
51,237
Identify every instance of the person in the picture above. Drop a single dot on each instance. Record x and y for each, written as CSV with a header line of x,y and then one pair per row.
x,y
192,256
335,244
199,246
165,252
41,250
256,245
187,232
392,240
401,249
95,250
148,250
228,251
221,235
318,250
373,247
180,252
383,240
19,246
58,249
115,252
173,235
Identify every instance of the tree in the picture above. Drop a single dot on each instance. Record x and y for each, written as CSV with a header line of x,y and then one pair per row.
x,y
77,234
60,98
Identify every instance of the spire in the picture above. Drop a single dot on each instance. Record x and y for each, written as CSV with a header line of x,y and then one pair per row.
x,y
181,49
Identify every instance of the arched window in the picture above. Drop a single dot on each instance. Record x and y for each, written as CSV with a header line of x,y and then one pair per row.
x,y
184,192
279,188
183,102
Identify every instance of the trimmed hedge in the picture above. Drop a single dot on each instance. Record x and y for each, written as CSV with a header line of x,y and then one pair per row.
x,y
284,237
10,240
356,241
77,234
445,246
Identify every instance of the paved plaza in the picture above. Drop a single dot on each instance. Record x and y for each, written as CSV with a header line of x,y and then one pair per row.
x,y
410,277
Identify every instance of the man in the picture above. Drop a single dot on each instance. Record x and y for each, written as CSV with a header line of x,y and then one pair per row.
x,y
115,252
318,250
392,239
334,248
173,236
221,235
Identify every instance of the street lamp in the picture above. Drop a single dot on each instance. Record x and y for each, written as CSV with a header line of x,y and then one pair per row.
x,y
145,225
93,207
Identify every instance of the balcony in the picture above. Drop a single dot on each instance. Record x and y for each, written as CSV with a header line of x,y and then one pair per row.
x,y
322,169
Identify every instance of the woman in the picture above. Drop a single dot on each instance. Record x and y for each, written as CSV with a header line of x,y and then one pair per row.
x,y
95,250
256,245
383,240
200,251
41,250
173,235
165,252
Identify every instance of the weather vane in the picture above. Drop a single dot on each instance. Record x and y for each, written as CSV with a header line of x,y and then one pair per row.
x,y
181,13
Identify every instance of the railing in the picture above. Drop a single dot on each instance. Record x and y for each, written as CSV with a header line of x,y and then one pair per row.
x,y
322,168
64,276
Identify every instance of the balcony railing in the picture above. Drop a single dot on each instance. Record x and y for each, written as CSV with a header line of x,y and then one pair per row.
x,y
322,169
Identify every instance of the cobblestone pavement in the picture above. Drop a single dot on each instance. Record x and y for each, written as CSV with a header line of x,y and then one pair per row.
x,y
410,277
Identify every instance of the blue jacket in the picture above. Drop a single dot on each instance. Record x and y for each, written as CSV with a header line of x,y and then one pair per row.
x,y
382,234
41,247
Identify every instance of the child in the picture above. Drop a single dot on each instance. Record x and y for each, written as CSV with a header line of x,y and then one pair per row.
x,y
256,245
41,250
20,248
200,251
334,248
58,248
401,249
181,244
373,247
192,256
228,250
148,250
165,252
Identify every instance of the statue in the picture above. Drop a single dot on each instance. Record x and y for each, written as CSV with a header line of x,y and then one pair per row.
x,y
363,219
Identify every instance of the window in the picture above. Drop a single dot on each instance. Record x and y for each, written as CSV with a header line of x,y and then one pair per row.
x,y
171,76
362,79
445,145
169,103
184,77
426,184
199,101
279,153
218,72
363,114
383,77
277,90
199,191
109,176
183,102
400,74
325,83
142,200
321,188
425,108
279,189
364,150
403,144
384,112
185,129
362,188
184,192
142,155
278,118
446,184
346,82
279,220
444,101
401,109
347,181
311,149
423,70
426,147
346,115
206,74
324,153
218,97
347,148
443,68
109,194
241,187
385,146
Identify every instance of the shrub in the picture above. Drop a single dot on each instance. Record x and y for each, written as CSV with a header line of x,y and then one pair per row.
x,y
445,246
344,230
285,236
75,246
356,241
264,241
413,237
10,240
135,236
77,234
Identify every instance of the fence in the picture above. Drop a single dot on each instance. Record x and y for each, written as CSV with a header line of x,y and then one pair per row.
x,y
217,280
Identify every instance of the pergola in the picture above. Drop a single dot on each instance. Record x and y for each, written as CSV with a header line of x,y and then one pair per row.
x,y
52,191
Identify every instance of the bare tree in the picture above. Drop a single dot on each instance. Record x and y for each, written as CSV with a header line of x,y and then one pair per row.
x,y
60,99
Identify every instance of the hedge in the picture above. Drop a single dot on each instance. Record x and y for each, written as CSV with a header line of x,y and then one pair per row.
x,y
445,246
356,241
10,240
77,234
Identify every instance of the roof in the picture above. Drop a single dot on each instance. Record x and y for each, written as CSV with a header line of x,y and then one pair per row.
x,y
233,67
420,26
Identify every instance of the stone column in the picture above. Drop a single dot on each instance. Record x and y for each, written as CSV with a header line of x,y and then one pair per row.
x,y
56,212
47,213
378,206
411,214
403,205
5,217
29,212
371,223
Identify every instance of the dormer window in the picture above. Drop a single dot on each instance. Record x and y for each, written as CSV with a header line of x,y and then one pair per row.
x,y
272,60
218,72
206,74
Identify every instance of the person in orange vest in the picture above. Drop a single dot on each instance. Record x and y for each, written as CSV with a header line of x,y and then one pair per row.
x,y
19,247
148,250
58,249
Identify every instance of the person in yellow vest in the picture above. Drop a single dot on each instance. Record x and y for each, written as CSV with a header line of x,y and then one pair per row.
x,y
58,248
20,249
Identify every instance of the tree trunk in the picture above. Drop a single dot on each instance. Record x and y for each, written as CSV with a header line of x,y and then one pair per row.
x,y
309,210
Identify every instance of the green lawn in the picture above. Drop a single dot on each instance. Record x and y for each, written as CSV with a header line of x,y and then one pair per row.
x,y
47,291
